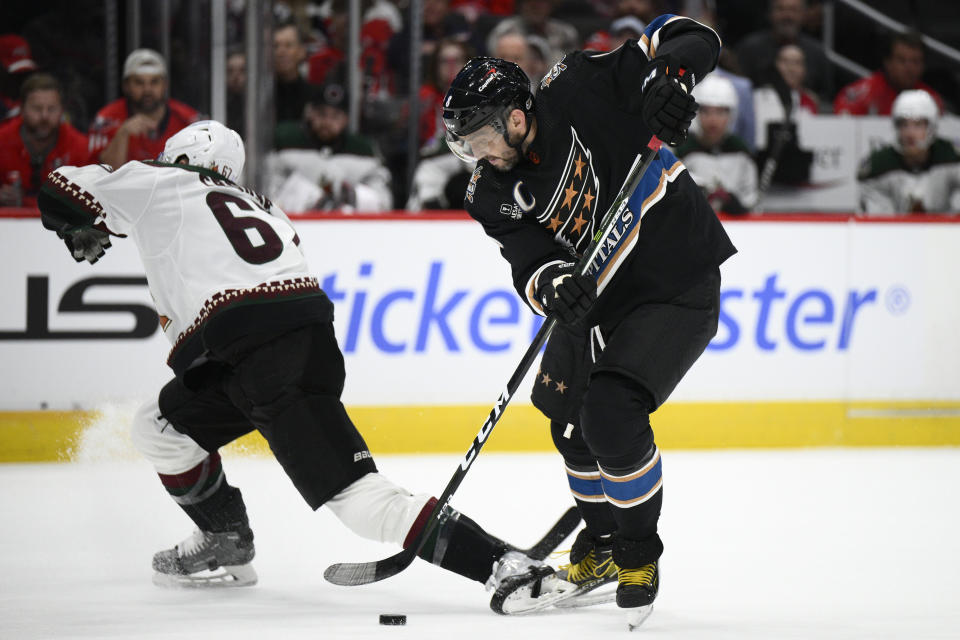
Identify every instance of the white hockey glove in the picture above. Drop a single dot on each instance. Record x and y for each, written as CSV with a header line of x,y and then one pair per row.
x,y
89,244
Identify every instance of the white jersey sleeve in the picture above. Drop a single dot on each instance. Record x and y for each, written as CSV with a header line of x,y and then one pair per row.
x,y
116,198
206,243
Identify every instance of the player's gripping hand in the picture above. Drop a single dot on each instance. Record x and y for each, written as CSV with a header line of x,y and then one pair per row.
x,y
564,294
89,244
666,106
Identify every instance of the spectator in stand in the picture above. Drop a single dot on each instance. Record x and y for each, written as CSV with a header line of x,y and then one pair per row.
x,y
448,58
380,22
521,49
778,105
757,49
17,63
784,96
36,142
535,19
902,70
439,22
321,165
919,173
291,89
137,126
718,160
440,178
474,9
236,91
622,29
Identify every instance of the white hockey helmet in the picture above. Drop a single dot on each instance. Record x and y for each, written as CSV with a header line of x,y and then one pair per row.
x,y
717,91
917,104
210,145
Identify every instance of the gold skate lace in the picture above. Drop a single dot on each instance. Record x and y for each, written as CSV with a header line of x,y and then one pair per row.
x,y
589,568
642,577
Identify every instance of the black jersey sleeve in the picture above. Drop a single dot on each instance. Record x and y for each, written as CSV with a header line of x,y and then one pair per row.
x,y
616,77
695,46
523,242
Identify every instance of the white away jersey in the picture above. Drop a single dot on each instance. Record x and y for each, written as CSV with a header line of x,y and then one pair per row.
x,y
204,241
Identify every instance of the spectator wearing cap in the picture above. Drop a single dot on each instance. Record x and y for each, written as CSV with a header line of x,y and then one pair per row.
x,y
36,142
624,28
323,125
137,126
902,69
319,164
17,63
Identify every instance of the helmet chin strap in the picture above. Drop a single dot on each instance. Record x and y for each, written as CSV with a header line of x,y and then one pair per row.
x,y
506,135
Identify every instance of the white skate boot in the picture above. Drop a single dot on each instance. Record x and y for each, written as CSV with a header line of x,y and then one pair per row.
x,y
524,585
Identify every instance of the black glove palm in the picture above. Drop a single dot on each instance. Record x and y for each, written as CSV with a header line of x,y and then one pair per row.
x,y
89,244
665,105
565,295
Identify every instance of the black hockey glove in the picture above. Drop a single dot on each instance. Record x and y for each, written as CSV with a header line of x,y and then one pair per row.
x,y
567,296
89,244
666,106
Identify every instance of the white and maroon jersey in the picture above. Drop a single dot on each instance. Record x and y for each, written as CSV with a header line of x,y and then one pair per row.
x,y
890,186
207,244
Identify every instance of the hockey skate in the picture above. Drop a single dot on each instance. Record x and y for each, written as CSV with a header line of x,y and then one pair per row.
x,y
637,591
207,559
524,585
592,569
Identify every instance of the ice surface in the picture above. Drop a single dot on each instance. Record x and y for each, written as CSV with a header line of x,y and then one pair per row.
x,y
861,543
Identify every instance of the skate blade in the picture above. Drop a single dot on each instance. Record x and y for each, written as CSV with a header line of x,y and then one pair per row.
x,y
521,601
601,594
635,617
225,577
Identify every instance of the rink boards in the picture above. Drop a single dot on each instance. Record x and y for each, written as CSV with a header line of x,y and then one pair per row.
x,y
833,331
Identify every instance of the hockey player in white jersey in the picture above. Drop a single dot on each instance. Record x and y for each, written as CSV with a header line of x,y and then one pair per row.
x,y
920,173
253,347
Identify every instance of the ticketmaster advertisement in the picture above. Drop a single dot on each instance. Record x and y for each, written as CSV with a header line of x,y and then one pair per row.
x,y
831,311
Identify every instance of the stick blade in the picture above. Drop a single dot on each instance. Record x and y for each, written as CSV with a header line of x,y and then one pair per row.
x,y
352,574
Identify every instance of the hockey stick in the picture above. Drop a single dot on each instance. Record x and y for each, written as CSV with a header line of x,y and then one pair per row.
x,y
557,534
356,573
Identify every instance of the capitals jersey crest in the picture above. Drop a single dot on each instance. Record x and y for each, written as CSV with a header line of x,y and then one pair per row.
x,y
569,213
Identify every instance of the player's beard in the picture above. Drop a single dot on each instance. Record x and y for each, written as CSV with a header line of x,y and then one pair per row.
x,y
508,160
511,156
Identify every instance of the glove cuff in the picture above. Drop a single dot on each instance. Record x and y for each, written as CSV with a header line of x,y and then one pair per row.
x,y
542,276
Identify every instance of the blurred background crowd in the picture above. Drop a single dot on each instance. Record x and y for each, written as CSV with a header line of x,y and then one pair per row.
x,y
110,80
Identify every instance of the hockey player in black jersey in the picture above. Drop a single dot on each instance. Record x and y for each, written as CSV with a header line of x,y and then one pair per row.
x,y
548,169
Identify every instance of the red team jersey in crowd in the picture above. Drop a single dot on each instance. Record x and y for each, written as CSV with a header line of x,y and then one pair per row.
x,y
873,96
145,147
71,149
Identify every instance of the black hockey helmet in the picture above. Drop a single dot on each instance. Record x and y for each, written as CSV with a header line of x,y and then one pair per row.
x,y
483,93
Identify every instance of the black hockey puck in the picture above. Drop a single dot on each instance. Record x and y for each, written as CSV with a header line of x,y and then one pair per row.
x,y
393,618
